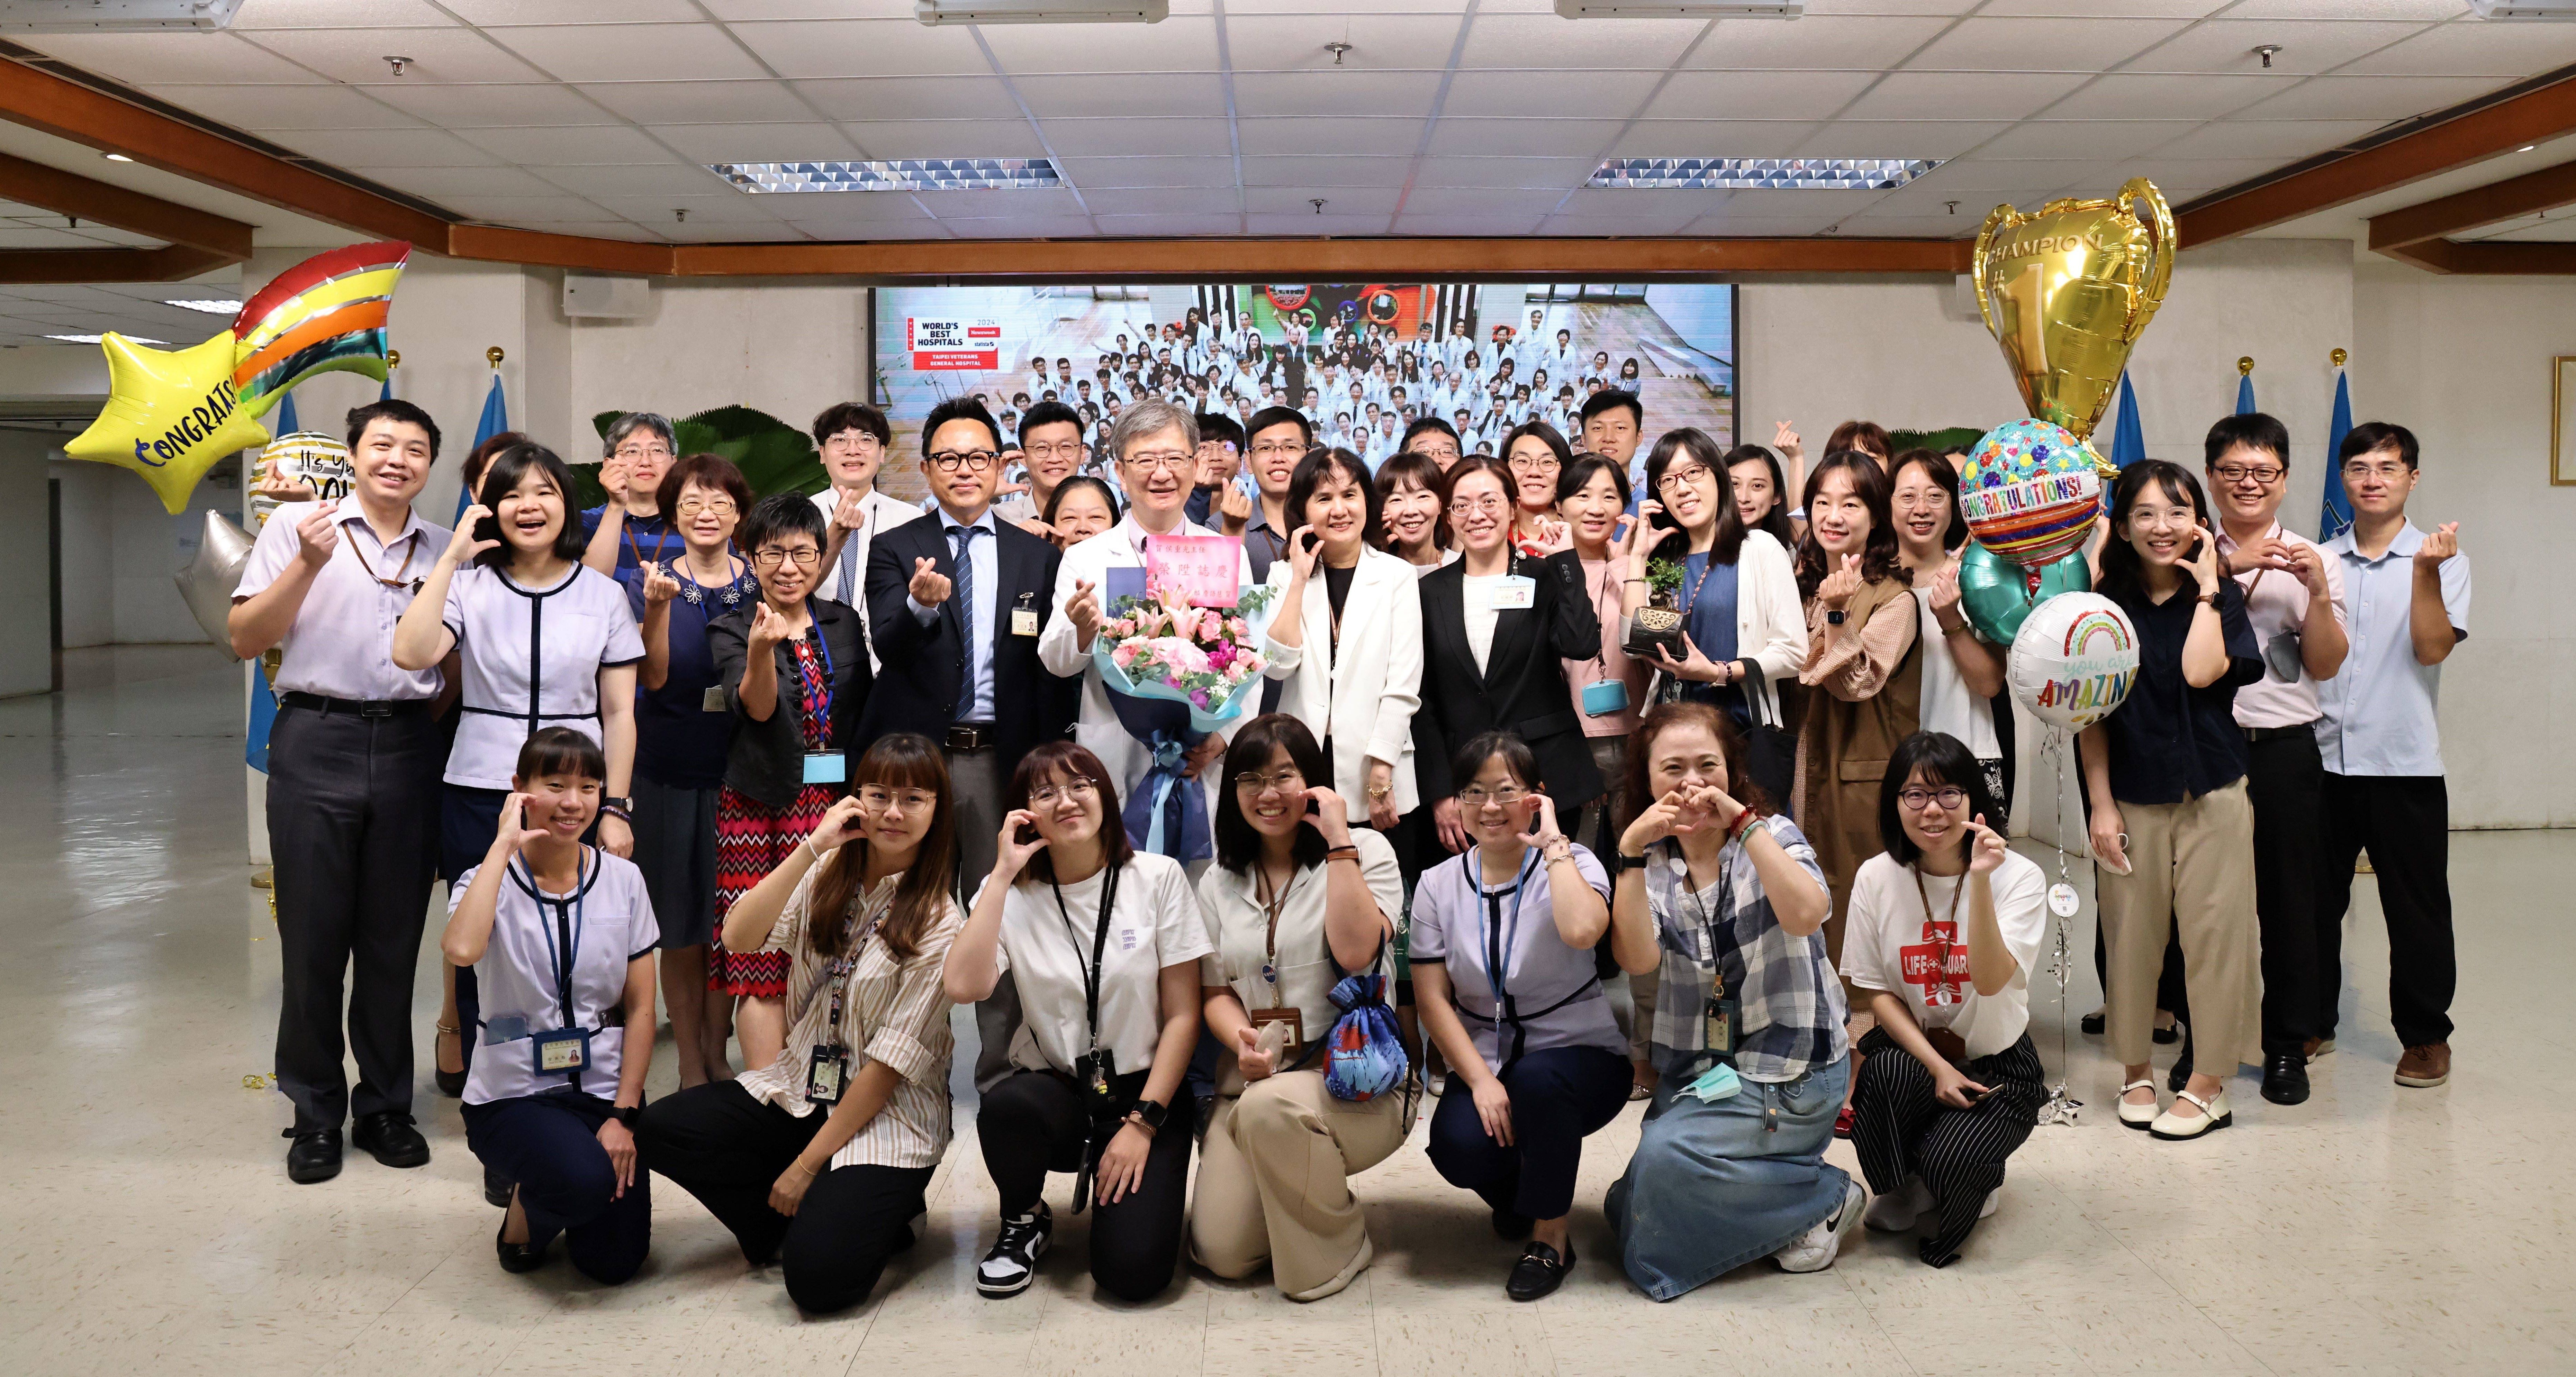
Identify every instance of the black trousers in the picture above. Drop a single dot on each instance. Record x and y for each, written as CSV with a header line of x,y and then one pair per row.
x,y
1901,1129
2405,821
719,1144
1559,1097
2285,781
549,1144
352,822
1033,1123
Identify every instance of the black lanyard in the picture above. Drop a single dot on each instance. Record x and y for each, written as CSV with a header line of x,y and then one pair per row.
x,y
854,942
1099,945
563,940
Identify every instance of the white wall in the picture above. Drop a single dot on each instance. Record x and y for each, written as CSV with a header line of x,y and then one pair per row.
x,y
26,645
89,549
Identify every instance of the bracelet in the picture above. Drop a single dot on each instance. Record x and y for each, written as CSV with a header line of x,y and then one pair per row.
x,y
615,811
1335,853
1742,821
1632,580
1565,853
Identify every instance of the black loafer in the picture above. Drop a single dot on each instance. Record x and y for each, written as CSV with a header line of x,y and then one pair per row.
x,y
2093,1024
1539,1272
314,1157
392,1139
516,1257
2181,1074
497,1188
1511,1227
2285,1078
2167,1037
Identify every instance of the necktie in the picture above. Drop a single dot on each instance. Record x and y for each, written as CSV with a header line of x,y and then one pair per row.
x,y
963,595
849,582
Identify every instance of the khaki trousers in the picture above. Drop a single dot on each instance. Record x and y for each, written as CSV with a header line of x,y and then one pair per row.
x,y
1274,1183
2192,865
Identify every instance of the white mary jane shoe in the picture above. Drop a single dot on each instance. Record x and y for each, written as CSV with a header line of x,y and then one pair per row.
x,y
2137,1115
2214,1115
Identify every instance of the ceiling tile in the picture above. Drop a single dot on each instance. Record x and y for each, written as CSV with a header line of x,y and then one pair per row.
x,y
1962,95
2121,96
488,106
445,184
387,147
357,56
1468,201
631,52
951,205
1493,224
2006,178
1335,93
2083,138
1556,173
755,143
1227,223
607,229
287,107
2370,97
1289,224
1550,42
1761,45
155,59
1899,138
1711,139
1019,227
1558,138
1067,97
490,13
2284,140
2348,9
1177,200
1177,44
30,237
1638,222
1325,171
669,179
342,14
1553,95
1320,135
2119,9
2040,45
1724,225
831,208
719,232
2471,47
1011,138
1287,43
895,98
701,102
1340,200
2227,45
1192,173
1757,95
723,207
841,47
1612,202
525,210
586,145
1076,138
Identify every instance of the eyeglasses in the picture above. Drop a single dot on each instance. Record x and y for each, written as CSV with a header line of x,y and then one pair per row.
x,y
720,506
1290,448
888,801
1477,795
973,460
1528,464
1288,778
806,558
858,443
1045,795
1170,462
643,452
2265,474
1491,506
2389,472
1688,475
1948,796
1070,449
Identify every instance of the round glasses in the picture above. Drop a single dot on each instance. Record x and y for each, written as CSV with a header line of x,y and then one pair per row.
x,y
1948,796
974,461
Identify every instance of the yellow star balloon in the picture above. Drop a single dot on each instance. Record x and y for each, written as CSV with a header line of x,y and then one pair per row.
x,y
170,414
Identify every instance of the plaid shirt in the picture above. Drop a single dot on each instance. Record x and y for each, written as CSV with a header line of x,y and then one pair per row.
x,y
1791,1000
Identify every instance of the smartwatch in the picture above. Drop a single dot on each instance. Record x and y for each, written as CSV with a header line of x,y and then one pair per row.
x,y
1833,616
627,1114
1150,1113
1621,861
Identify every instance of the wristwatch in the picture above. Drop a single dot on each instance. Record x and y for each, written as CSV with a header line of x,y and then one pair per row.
x,y
621,805
1150,1113
627,1114
1622,861
1833,616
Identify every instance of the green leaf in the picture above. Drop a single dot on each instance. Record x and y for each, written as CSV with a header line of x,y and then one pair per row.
x,y
774,457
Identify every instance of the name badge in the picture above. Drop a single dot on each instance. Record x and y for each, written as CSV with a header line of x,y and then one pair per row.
x,y
826,767
563,1049
1723,1027
826,1074
1518,590
1024,622
712,701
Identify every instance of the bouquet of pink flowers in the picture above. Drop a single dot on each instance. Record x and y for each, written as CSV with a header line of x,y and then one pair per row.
x,y
1160,646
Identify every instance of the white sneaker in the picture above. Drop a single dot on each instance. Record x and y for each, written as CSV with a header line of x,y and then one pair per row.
x,y
1896,1211
1815,1249
1013,1263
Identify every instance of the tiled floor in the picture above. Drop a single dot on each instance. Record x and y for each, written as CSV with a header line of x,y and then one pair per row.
x,y
146,1226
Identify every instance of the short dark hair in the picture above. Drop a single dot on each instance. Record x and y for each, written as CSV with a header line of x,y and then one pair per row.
x,y
1467,464
707,471
2121,566
841,416
1545,434
1873,485
780,514
479,458
1612,399
958,409
2366,438
1577,475
1740,783
1423,423
1042,414
391,409
507,469
1943,759
1074,484
1484,746
1269,416
2252,429
1945,474
1238,844
1425,473
1869,437
562,751
1069,760
1311,472
1224,429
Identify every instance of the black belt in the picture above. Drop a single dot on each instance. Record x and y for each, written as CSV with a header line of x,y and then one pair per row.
x,y
973,736
2306,729
373,707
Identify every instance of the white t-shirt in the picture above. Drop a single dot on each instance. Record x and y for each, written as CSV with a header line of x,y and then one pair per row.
x,y
1947,704
1884,947
1154,923
1481,614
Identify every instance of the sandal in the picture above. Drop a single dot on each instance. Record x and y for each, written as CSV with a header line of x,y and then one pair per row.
x,y
450,1083
2137,1115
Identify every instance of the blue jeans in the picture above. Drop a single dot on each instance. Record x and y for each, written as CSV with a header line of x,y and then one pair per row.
x,y
1714,1186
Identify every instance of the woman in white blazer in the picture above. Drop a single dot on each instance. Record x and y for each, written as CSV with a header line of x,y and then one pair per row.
x,y
1348,656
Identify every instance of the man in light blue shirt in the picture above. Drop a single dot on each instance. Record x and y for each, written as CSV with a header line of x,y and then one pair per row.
x,y
2407,604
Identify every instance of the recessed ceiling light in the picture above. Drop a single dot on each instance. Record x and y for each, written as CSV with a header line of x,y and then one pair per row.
x,y
938,12
908,174
118,158
93,339
1680,9
110,16
2524,9
1764,174
210,307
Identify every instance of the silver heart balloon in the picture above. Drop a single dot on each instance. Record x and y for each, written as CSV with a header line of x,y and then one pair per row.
x,y
209,580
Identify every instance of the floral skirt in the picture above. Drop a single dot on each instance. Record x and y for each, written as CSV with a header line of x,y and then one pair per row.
x,y
751,839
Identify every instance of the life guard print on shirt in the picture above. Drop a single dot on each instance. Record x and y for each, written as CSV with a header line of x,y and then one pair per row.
x,y
1937,964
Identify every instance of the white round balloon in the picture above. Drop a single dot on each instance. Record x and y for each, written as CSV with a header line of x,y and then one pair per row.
x,y
2073,660
307,458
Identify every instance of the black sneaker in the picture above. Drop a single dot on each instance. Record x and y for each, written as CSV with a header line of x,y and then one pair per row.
x,y
1539,1272
1013,1263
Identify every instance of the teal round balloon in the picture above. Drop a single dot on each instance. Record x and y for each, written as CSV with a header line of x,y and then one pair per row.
x,y
1997,594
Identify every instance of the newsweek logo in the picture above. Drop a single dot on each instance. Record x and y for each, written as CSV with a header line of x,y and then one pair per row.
x,y
953,345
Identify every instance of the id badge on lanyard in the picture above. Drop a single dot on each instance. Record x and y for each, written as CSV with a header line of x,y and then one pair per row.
x,y
1722,1024
827,1070
1515,591
826,766
563,1049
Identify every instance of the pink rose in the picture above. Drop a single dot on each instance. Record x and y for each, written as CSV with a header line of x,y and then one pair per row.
x,y
1124,655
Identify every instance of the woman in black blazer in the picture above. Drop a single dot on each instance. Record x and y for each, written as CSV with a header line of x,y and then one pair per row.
x,y
794,671
1495,626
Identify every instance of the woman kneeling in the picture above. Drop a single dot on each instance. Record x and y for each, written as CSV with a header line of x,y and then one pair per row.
x,y
1943,929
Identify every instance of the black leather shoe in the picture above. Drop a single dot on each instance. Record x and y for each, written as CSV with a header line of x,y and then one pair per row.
x,y
314,1157
497,1188
1510,1226
2093,1023
2285,1078
392,1139
450,1083
516,1257
1539,1272
2181,1074
2167,1037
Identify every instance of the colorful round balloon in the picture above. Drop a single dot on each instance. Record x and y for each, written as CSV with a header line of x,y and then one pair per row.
x,y
2074,661
1998,595
2031,492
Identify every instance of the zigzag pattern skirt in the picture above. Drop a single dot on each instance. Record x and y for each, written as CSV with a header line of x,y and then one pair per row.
x,y
751,839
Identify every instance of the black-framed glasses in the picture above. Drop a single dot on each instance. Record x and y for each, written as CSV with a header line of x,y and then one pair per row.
x,y
805,558
1948,796
973,460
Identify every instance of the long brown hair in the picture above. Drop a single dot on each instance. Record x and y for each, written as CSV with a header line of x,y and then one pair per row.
x,y
1877,491
1740,785
1064,762
902,760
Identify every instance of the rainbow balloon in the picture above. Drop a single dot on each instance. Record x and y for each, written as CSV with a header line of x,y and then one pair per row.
x,y
2075,660
2031,492
325,314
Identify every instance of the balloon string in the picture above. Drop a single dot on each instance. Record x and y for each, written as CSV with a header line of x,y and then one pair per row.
x,y
2061,1105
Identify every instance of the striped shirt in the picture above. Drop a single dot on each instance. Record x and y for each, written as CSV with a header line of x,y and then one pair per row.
x,y
1790,999
894,1011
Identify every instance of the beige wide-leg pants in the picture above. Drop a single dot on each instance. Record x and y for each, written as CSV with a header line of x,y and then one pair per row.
x,y
2191,864
1274,1183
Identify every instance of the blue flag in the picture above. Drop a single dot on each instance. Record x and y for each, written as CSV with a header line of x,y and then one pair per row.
x,y
495,419
2334,515
286,422
2244,393
2128,437
263,700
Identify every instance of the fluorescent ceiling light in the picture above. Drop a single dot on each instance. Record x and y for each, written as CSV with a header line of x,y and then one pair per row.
x,y
1680,9
212,308
907,174
2524,9
93,339
95,16
117,158
937,12
1763,174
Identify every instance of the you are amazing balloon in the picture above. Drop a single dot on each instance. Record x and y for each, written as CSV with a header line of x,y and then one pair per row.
x,y
2075,660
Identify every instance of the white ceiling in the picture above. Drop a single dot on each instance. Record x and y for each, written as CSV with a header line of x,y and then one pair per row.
x,y
28,313
1447,117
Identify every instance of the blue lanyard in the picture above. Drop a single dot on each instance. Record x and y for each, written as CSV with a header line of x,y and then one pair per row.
x,y
562,959
1497,942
